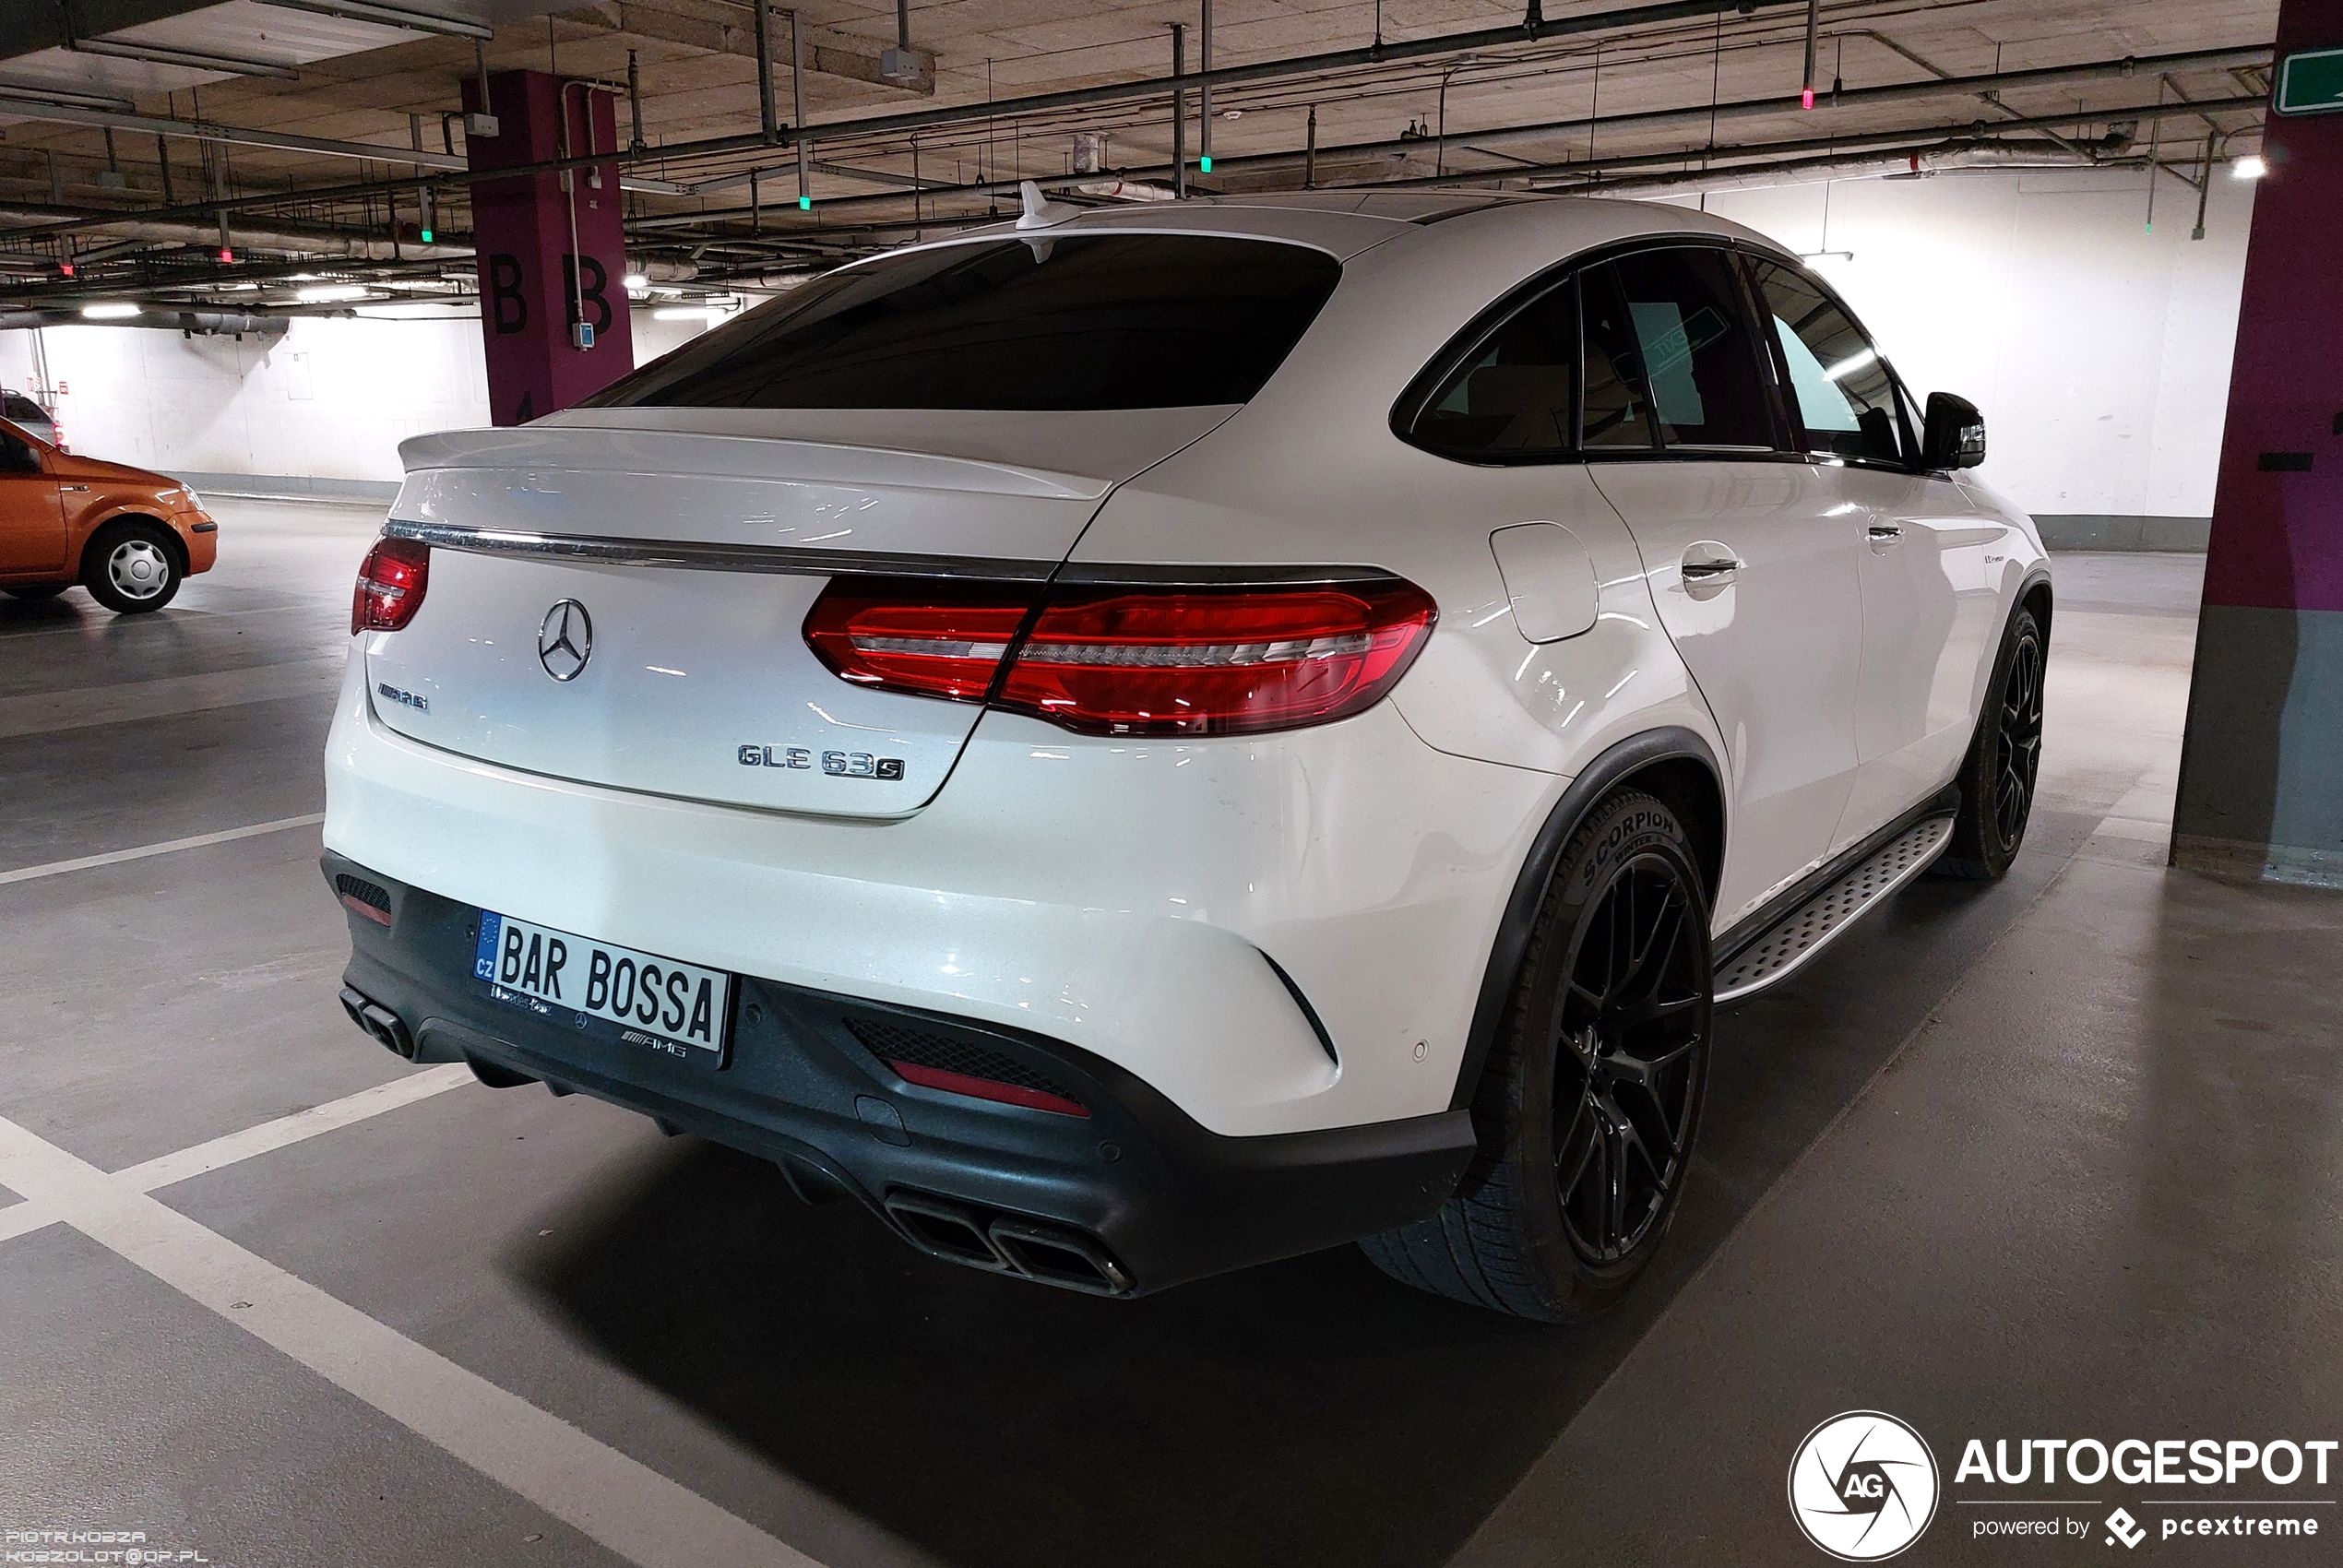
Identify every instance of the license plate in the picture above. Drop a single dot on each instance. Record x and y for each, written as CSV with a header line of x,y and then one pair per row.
x,y
676,1009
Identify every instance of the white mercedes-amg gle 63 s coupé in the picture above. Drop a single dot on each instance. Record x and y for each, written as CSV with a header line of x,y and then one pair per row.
x,y
1137,742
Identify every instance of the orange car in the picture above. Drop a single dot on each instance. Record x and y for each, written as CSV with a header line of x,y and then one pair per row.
x,y
128,536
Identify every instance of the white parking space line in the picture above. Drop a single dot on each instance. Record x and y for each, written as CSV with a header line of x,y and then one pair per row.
x,y
19,1219
611,1498
185,1163
169,845
85,707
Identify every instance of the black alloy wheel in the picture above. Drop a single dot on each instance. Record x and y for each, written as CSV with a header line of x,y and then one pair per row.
x,y
1589,1105
2020,748
1999,779
1632,1055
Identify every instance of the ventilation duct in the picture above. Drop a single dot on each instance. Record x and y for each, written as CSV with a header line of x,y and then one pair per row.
x,y
201,323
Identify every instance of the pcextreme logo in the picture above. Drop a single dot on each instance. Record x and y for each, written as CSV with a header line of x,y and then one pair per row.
x,y
1863,1486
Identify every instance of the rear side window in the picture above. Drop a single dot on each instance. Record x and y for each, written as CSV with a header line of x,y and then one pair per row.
x,y
19,407
1076,322
1692,348
1511,396
1845,394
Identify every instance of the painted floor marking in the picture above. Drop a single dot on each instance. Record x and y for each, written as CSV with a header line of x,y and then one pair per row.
x,y
168,847
605,1495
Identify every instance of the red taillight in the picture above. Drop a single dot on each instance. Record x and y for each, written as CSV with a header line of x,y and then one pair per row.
x,y
911,636
1135,660
390,586
1143,661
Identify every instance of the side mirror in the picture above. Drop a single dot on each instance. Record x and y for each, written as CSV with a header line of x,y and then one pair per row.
x,y
1955,433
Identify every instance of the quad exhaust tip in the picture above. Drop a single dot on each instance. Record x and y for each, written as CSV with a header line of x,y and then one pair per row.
x,y
379,1022
1008,1243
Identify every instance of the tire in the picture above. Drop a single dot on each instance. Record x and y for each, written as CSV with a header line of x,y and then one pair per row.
x,y
1998,776
131,567
1619,958
36,592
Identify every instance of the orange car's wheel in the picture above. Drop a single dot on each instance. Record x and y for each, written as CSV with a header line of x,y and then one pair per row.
x,y
131,567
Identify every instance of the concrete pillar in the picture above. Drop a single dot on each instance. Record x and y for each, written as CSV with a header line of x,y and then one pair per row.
x,y
2261,788
552,247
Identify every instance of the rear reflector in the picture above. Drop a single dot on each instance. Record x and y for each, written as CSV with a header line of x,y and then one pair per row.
x,y
390,586
1136,661
361,896
987,1088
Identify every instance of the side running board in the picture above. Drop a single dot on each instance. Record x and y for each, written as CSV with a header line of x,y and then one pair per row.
x,y
1783,948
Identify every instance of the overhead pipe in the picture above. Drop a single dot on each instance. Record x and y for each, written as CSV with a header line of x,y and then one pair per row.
x,y
391,16
2249,55
1587,174
767,118
1532,30
1745,109
1581,169
1514,175
32,105
278,235
1204,91
1813,44
203,323
1179,113
2040,152
190,59
797,103
1896,92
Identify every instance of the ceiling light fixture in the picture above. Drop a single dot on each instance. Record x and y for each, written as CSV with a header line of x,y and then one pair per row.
x,y
109,310
332,293
636,282
2253,166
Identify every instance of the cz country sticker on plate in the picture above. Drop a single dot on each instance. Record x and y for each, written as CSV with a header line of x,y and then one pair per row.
x,y
676,1009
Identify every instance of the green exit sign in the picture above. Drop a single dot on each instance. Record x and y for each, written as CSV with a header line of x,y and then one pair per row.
x,y
2311,82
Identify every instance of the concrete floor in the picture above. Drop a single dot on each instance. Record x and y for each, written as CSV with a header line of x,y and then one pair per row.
x,y
2053,1158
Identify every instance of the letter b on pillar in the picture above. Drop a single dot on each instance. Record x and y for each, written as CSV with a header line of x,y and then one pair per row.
x,y
535,285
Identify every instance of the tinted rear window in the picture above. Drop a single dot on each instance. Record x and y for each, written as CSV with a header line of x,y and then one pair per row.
x,y
1086,321
22,409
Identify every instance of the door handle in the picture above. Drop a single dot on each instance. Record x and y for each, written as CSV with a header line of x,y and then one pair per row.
x,y
1884,533
1709,564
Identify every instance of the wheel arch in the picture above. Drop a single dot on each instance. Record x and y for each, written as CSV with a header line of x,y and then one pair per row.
x,y
1674,763
115,519
2035,594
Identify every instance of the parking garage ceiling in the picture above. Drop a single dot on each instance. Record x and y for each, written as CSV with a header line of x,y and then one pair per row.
x,y
132,131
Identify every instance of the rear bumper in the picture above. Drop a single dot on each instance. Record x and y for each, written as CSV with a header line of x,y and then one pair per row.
x,y
1132,1197
1280,933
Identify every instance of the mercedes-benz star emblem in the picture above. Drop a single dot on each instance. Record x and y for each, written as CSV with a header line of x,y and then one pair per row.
x,y
566,640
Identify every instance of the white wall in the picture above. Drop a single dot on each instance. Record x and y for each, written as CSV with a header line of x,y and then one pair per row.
x,y
2099,352
331,398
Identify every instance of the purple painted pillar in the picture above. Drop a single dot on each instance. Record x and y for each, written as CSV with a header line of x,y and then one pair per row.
x,y
2261,790
549,257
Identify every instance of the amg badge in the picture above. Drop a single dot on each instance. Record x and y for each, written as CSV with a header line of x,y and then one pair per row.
x,y
839,764
389,693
